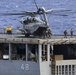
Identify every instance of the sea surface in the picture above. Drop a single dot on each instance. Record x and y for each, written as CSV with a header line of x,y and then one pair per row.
x,y
58,21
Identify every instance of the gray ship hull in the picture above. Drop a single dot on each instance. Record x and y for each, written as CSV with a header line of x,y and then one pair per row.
x,y
19,68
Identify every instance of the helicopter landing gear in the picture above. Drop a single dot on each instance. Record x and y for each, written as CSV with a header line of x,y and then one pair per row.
x,y
48,33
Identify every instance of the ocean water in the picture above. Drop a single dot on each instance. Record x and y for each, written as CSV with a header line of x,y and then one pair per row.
x,y
59,21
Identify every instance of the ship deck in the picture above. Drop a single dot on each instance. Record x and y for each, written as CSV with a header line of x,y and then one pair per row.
x,y
19,38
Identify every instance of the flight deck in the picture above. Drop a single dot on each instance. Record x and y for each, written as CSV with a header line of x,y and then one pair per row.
x,y
19,38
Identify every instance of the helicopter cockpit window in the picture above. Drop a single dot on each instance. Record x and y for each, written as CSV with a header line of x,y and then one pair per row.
x,y
30,20
25,22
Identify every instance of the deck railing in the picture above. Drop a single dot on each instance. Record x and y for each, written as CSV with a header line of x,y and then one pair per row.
x,y
65,67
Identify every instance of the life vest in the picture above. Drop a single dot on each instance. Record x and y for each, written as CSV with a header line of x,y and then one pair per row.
x,y
9,29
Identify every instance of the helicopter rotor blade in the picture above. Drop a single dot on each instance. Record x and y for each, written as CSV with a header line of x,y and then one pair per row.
x,y
22,13
56,10
37,7
36,4
60,14
33,14
7,14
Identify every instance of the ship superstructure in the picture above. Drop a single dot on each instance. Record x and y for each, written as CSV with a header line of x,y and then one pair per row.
x,y
33,56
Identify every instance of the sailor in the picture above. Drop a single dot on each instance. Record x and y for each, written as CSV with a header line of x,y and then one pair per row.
x,y
9,30
71,32
65,34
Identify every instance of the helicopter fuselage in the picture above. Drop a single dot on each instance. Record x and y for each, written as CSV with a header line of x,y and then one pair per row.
x,y
34,26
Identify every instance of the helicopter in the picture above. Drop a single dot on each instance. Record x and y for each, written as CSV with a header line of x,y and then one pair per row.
x,y
35,26
36,23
